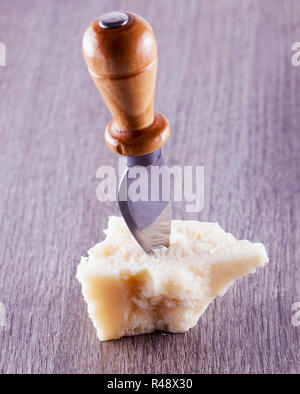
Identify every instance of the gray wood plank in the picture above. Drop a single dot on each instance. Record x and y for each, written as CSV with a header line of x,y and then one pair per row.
x,y
231,94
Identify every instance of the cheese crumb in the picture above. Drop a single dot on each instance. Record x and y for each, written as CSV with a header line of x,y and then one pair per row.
x,y
129,292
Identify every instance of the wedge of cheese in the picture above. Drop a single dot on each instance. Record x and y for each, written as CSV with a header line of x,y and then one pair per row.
x,y
129,292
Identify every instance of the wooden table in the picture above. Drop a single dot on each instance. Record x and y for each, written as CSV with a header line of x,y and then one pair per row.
x,y
232,96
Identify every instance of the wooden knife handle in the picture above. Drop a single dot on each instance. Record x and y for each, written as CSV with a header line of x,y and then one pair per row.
x,y
121,54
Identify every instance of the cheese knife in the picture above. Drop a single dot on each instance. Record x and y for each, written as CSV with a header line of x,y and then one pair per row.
x,y
121,55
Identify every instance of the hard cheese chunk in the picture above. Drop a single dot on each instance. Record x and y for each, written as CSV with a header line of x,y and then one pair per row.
x,y
129,292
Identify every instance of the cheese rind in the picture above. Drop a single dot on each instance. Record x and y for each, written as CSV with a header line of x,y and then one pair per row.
x,y
129,292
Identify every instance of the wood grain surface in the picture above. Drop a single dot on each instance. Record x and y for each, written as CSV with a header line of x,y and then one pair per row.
x,y
232,96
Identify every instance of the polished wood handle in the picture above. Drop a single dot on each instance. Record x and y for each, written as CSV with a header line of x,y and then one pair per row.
x,y
121,54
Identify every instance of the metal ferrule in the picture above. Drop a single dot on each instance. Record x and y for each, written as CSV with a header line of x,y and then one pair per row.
x,y
144,160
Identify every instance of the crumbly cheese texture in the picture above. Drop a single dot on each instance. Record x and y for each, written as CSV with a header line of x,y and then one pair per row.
x,y
129,292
